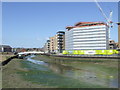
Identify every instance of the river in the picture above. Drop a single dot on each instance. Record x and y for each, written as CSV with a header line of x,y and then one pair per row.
x,y
69,75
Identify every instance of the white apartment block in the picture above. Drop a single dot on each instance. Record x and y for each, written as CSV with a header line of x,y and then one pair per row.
x,y
87,36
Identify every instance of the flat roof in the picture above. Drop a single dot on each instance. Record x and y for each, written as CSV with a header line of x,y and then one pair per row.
x,y
85,24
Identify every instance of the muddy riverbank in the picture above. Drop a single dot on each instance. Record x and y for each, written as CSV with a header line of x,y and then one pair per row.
x,y
84,73
11,78
44,72
107,62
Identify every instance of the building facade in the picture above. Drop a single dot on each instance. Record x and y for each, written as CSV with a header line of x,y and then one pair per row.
x,y
57,42
52,44
112,44
87,36
5,48
47,47
60,41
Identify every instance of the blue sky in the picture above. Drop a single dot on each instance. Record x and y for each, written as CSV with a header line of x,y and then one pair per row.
x,y
30,24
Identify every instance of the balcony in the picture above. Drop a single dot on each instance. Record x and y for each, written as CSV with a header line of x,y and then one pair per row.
x,y
60,40
60,37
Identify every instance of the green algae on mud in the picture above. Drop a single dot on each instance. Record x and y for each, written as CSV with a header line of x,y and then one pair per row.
x,y
12,79
49,78
72,74
25,74
72,59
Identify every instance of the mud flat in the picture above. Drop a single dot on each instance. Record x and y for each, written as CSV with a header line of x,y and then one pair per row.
x,y
11,78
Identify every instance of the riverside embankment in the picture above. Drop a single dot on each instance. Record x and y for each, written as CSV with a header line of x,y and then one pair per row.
x,y
5,58
56,72
12,79
91,58
4,62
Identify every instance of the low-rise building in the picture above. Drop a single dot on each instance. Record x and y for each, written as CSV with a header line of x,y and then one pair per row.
x,y
19,50
5,48
25,49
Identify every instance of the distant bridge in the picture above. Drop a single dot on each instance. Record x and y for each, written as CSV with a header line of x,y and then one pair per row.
x,y
30,52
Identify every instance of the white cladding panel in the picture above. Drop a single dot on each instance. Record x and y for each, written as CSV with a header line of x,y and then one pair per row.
x,y
92,37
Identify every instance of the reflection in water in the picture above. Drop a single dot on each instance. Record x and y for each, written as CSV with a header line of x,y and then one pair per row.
x,y
57,68
87,76
36,62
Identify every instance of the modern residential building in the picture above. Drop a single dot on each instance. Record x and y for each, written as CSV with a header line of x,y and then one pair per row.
x,y
112,44
57,42
52,44
87,36
117,45
60,41
5,48
47,47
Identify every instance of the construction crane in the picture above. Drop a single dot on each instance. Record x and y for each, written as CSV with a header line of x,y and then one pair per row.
x,y
109,20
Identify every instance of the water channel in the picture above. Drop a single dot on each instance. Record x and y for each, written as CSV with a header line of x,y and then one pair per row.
x,y
69,75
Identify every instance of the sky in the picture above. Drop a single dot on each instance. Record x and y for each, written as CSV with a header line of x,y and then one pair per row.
x,y
30,24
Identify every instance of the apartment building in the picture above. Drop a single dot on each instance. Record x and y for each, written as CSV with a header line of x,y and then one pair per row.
x,y
57,42
52,44
5,48
87,36
112,44
47,47
60,41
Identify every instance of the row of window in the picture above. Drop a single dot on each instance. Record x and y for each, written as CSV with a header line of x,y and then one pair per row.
x,y
92,46
88,28
85,31
89,34
95,33
86,43
70,48
89,43
85,39
89,37
89,40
